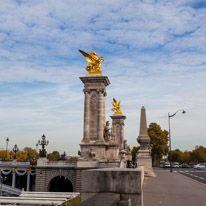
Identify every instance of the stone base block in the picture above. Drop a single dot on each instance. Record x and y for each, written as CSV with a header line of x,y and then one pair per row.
x,y
93,151
42,161
147,163
126,182
112,152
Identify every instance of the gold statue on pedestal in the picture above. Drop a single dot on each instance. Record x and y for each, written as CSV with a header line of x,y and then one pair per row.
x,y
94,62
117,107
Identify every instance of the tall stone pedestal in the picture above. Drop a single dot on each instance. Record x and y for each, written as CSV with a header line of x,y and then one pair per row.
x,y
118,129
93,145
143,154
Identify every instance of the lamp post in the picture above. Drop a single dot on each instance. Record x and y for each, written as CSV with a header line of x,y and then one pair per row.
x,y
15,150
7,142
169,116
43,143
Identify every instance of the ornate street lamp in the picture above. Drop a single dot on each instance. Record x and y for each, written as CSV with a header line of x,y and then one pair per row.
x,y
169,116
15,150
7,142
43,143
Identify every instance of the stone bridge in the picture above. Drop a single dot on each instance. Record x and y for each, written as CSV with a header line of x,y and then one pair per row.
x,y
65,174
62,176
48,176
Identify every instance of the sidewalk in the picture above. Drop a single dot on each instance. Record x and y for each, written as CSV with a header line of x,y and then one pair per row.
x,y
172,189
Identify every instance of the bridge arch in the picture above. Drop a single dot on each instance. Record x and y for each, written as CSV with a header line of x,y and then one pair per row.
x,y
60,184
66,177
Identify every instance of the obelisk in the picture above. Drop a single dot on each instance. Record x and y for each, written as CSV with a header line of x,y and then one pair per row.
x,y
143,154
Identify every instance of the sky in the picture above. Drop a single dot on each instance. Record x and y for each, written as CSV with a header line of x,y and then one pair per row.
x,y
155,54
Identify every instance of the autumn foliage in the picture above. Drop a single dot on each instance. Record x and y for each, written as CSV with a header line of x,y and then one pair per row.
x,y
22,155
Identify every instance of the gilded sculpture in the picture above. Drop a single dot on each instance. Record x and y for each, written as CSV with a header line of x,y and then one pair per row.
x,y
94,62
117,107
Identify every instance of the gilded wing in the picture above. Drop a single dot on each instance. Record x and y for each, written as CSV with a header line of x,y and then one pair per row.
x,y
114,103
87,56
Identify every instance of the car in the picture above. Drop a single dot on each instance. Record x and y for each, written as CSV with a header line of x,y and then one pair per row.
x,y
167,165
162,163
175,164
185,165
200,166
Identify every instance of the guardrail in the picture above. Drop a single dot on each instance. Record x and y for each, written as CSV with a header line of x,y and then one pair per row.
x,y
61,163
26,164
14,163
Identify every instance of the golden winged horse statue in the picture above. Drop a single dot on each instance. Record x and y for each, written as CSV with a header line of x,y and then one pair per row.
x,y
94,62
117,107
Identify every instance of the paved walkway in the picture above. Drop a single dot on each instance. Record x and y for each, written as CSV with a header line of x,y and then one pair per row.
x,y
172,189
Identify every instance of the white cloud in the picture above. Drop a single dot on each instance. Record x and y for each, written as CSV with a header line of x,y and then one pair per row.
x,y
154,51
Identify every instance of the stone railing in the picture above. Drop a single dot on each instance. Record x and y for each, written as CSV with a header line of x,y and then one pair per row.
x,y
61,164
14,163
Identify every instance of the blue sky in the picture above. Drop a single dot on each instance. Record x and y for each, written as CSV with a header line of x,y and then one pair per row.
x,y
155,55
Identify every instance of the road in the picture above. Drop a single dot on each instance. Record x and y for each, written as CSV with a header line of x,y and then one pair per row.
x,y
175,189
194,174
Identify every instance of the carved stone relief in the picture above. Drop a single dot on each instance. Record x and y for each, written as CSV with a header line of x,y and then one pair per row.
x,y
93,104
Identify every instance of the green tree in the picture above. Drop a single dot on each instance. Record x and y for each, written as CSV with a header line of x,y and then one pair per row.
x,y
51,157
31,153
22,155
176,155
56,155
198,154
134,152
185,157
159,142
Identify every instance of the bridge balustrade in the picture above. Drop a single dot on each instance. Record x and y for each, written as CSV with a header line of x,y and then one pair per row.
x,y
14,163
61,164
16,167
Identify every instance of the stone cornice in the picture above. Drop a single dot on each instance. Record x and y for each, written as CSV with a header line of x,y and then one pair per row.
x,y
94,79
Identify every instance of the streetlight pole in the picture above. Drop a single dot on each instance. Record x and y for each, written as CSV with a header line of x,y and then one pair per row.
x,y
15,150
7,142
169,116
43,143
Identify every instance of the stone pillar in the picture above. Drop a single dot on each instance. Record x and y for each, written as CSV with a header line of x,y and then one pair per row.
x,y
143,154
101,115
143,138
13,178
94,107
40,180
28,180
118,127
93,146
86,115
